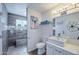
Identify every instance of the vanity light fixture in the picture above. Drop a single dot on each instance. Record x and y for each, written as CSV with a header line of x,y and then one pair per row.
x,y
65,8
54,12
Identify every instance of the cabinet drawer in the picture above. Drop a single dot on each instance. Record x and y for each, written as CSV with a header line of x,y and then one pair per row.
x,y
58,51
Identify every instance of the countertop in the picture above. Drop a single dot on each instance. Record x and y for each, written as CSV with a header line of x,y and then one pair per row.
x,y
57,38
73,48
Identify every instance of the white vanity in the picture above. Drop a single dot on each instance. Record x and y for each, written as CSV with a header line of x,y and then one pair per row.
x,y
60,46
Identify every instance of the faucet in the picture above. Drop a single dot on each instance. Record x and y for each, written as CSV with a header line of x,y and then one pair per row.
x,y
59,34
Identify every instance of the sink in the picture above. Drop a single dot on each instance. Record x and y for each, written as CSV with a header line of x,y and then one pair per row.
x,y
57,40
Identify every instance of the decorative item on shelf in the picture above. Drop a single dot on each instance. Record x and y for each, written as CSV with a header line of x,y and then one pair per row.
x,y
45,22
34,22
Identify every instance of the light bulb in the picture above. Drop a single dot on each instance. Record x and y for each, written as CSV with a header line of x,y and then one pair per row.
x,y
54,12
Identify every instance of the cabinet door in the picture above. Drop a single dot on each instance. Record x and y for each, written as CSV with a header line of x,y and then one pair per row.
x,y
58,51
49,49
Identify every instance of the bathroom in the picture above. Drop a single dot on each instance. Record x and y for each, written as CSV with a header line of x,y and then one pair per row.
x,y
35,29
57,31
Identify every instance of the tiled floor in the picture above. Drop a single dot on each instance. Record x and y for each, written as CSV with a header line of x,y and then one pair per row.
x,y
20,50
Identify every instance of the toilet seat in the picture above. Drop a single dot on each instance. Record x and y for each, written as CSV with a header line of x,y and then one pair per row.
x,y
40,45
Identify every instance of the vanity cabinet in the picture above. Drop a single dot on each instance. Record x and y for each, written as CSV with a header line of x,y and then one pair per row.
x,y
52,49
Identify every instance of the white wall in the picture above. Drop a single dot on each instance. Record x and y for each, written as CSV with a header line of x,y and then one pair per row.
x,y
35,13
33,34
46,31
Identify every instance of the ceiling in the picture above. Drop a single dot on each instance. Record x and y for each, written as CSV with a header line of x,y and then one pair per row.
x,y
20,8
43,7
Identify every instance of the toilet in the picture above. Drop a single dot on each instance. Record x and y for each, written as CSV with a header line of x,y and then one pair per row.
x,y
40,48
